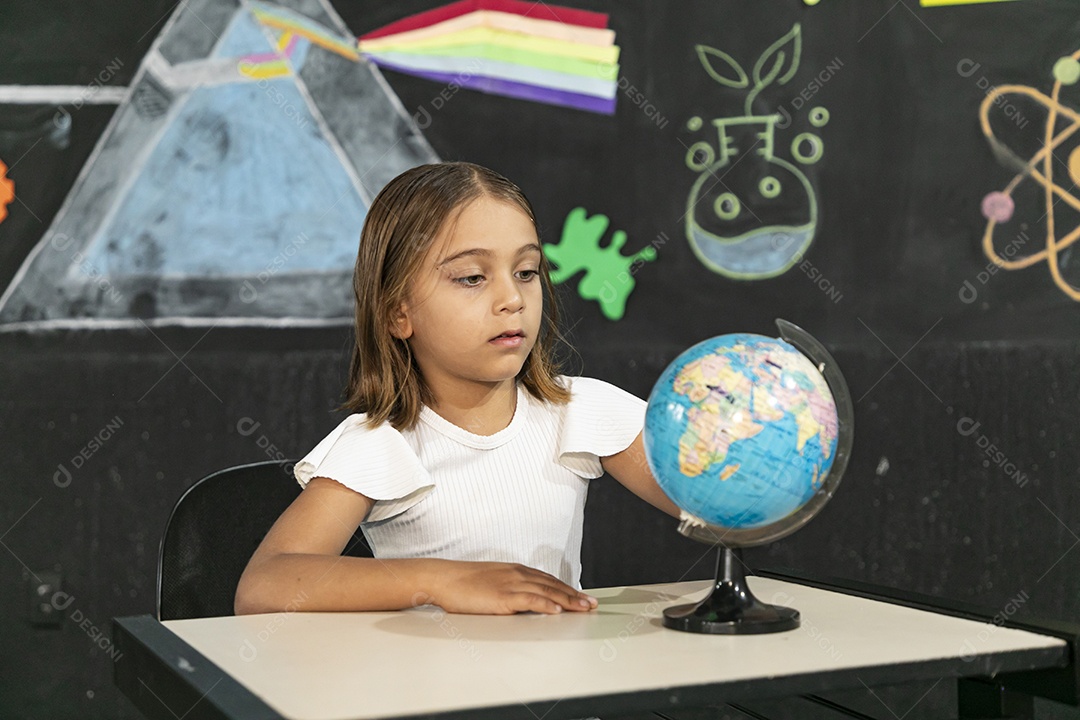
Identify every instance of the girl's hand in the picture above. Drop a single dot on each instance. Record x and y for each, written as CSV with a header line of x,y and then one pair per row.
x,y
495,588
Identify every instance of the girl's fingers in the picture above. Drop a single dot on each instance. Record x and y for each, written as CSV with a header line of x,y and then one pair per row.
x,y
559,586
533,602
568,599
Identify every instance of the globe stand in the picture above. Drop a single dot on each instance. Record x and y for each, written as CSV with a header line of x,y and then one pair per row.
x,y
730,608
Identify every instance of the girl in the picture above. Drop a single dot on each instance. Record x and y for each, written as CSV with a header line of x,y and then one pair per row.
x,y
467,462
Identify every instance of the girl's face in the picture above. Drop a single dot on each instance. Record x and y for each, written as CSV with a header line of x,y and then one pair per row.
x,y
474,308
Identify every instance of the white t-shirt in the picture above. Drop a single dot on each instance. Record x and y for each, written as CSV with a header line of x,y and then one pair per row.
x,y
515,496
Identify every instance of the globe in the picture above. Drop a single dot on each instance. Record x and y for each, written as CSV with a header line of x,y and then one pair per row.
x,y
741,431
749,435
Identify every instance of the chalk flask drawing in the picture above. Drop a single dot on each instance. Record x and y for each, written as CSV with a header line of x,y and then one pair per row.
x,y
752,215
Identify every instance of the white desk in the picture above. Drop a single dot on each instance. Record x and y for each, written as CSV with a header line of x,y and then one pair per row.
x,y
614,660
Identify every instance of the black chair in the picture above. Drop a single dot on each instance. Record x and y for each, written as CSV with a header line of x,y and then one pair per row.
x,y
214,529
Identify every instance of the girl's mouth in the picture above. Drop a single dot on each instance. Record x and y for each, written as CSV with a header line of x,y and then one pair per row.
x,y
510,339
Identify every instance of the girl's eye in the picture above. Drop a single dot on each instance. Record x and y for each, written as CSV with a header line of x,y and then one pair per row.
x,y
528,274
469,280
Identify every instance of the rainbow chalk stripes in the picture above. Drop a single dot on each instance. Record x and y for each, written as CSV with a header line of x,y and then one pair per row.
x,y
532,51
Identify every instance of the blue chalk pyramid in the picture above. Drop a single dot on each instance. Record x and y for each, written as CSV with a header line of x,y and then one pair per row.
x,y
231,183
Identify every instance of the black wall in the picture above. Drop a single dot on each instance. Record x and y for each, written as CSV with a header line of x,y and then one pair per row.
x,y
905,168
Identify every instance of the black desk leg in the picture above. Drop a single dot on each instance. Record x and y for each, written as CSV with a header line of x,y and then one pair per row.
x,y
980,699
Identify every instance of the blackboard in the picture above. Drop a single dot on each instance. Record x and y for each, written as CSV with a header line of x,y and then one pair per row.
x,y
946,357
904,164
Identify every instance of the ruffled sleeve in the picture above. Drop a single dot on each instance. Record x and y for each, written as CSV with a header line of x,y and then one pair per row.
x,y
600,420
375,462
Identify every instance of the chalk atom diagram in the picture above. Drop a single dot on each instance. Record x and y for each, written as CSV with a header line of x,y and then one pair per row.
x,y
751,214
999,207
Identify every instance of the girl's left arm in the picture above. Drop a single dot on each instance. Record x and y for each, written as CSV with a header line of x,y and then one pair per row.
x,y
631,469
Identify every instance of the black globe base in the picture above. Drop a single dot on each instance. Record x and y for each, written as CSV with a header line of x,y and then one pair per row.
x,y
730,608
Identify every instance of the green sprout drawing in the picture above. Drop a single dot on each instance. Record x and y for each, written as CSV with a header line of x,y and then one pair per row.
x,y
609,275
782,57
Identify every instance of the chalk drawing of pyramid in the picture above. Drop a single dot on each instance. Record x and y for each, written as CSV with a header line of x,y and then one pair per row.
x,y
231,183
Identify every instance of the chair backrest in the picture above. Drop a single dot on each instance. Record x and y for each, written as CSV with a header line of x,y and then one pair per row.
x,y
214,529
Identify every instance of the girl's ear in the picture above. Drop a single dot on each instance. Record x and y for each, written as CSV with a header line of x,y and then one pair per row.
x,y
400,325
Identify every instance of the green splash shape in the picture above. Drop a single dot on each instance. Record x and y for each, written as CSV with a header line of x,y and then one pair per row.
x,y
609,275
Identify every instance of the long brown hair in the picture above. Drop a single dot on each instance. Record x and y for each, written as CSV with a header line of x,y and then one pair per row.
x,y
401,225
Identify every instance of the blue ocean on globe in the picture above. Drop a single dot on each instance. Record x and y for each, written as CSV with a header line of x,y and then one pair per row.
x,y
741,430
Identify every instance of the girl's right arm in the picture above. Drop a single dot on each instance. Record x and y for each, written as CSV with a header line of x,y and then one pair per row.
x,y
299,567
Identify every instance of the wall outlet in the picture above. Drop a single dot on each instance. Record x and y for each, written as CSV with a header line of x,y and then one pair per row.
x,y
45,608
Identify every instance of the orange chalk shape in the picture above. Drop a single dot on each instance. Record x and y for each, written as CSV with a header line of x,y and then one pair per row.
x,y
7,191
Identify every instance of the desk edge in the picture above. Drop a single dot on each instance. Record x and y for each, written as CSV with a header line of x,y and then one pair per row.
x,y
1060,683
184,686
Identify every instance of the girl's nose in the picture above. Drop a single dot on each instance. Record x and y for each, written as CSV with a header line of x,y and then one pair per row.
x,y
510,298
